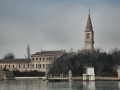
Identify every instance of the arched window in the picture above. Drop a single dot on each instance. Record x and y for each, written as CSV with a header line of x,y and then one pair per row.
x,y
88,35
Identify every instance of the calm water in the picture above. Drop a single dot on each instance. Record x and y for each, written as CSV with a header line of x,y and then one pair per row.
x,y
38,84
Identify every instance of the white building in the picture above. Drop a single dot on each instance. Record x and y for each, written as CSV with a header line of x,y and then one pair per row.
x,y
40,61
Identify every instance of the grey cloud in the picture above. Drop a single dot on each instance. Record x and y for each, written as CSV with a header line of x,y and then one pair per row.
x,y
51,27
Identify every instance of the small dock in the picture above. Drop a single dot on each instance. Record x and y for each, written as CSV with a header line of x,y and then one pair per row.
x,y
58,79
87,76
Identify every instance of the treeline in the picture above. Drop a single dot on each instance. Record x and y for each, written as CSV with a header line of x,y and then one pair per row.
x,y
34,73
105,64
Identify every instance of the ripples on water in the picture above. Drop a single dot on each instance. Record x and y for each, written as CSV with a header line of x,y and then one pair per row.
x,y
38,84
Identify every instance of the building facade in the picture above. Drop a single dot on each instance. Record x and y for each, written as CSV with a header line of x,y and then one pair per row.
x,y
43,61
89,35
16,64
40,61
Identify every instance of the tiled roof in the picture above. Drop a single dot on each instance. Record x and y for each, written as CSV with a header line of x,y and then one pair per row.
x,y
14,60
89,24
50,52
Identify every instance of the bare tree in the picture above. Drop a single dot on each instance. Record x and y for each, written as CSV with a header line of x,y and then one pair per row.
x,y
28,52
71,50
111,51
9,56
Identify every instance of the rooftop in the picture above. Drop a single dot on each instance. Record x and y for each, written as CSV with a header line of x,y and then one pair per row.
x,y
15,60
50,52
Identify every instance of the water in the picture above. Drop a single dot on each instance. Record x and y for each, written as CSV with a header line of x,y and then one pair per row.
x,y
38,84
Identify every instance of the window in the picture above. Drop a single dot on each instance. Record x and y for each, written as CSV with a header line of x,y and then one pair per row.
x,y
40,65
43,58
36,59
33,59
28,65
13,66
43,65
5,66
19,66
88,35
40,58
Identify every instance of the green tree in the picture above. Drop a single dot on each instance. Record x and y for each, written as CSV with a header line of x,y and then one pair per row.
x,y
105,64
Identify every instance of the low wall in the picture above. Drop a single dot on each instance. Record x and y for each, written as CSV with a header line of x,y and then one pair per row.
x,y
78,78
28,77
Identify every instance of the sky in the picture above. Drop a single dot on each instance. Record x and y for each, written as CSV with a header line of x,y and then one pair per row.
x,y
56,25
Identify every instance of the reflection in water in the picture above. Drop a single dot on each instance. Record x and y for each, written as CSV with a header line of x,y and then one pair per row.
x,y
70,85
119,85
88,85
38,84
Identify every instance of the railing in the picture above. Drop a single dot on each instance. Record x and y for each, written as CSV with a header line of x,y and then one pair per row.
x,y
58,75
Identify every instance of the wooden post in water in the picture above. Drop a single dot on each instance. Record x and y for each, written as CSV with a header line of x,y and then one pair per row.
x,y
70,76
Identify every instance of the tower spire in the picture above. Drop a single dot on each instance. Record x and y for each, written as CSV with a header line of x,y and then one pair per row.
x,y
89,23
89,35
89,11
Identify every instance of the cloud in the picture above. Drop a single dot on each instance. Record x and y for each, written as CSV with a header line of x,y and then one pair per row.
x,y
55,25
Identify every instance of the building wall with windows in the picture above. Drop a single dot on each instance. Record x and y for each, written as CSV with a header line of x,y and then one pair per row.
x,y
16,64
40,61
43,61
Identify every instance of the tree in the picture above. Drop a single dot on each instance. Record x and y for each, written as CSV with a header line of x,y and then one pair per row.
x,y
9,56
28,52
105,64
71,50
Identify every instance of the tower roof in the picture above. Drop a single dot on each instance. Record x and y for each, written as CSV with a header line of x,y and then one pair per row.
x,y
89,23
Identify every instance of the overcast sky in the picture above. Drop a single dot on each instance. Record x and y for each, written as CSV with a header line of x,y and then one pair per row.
x,y
56,25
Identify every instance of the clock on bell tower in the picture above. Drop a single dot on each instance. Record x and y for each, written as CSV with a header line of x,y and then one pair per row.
x,y
89,35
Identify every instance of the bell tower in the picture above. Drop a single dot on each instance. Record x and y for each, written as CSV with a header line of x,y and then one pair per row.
x,y
89,35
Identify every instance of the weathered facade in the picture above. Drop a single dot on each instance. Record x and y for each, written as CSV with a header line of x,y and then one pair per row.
x,y
89,35
16,64
40,61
